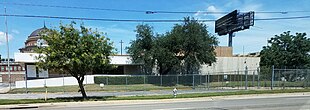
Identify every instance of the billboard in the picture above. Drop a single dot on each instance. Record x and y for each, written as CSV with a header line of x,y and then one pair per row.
x,y
233,22
225,23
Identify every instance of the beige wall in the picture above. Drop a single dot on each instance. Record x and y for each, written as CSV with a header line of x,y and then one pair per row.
x,y
228,65
223,51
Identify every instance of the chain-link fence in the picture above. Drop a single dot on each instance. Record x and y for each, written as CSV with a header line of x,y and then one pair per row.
x,y
290,78
232,80
254,79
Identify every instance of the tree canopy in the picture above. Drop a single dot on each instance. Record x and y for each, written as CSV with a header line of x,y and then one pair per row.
x,y
141,48
286,50
74,51
181,50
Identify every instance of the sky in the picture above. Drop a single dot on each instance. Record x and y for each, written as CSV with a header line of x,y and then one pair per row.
x,y
246,41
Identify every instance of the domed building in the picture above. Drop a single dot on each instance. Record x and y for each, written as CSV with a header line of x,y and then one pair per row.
x,y
31,42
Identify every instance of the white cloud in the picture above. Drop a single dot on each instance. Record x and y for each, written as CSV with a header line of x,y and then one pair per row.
x,y
15,31
3,38
212,8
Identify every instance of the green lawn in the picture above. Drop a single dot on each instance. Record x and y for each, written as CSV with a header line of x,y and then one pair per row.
x,y
149,87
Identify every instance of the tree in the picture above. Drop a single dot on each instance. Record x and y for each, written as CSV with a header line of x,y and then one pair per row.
x,y
286,51
185,47
194,45
167,61
141,48
74,51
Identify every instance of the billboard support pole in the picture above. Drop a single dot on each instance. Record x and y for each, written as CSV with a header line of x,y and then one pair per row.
x,y
230,39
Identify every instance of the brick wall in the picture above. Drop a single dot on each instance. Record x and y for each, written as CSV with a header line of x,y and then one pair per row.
x,y
14,77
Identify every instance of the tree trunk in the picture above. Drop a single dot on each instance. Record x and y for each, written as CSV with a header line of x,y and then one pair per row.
x,y
82,90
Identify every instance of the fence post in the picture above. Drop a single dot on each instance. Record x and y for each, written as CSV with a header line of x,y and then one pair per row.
x,y
107,81
144,79
258,80
246,78
200,80
208,81
161,80
272,77
144,83
193,81
177,79
253,78
126,81
63,82
26,83
218,80
308,78
230,82
238,76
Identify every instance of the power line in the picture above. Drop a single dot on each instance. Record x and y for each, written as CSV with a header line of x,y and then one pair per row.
x,y
145,11
71,7
97,19
140,20
282,18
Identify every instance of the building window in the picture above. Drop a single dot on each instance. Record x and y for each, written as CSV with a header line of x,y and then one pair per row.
x,y
19,68
11,68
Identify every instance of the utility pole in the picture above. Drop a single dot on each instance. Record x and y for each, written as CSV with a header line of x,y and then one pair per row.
x,y
121,47
7,46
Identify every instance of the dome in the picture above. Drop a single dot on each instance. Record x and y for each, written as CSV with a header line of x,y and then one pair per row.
x,y
37,32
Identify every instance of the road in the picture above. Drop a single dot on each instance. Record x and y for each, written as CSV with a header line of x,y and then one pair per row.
x,y
224,103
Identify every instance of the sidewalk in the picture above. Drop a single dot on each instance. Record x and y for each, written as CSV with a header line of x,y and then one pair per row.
x,y
4,88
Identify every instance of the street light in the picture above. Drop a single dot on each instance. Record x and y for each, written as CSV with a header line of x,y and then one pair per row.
x,y
7,45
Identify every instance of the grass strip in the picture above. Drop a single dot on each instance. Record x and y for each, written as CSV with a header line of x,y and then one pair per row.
x,y
147,97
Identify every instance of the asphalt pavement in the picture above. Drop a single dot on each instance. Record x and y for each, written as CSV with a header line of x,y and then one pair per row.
x,y
245,102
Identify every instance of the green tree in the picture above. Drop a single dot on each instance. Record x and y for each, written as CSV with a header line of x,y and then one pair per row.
x,y
185,47
194,45
167,61
74,51
286,50
141,48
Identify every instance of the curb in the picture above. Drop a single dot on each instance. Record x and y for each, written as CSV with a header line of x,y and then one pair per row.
x,y
23,107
